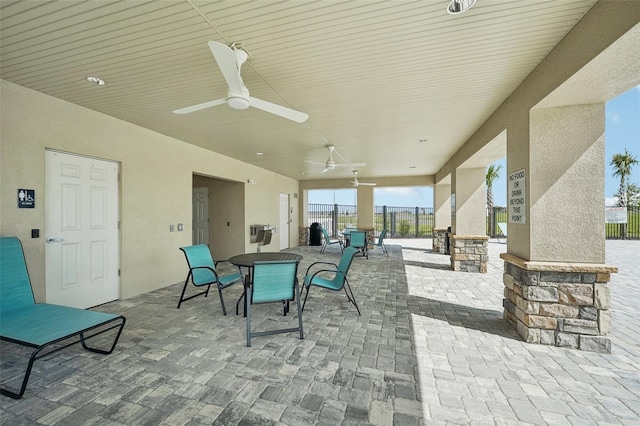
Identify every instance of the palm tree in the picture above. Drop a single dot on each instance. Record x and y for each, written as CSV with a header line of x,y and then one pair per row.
x,y
493,172
622,164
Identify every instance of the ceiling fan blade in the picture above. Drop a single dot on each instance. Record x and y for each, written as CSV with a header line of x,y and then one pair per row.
x,y
314,162
194,108
325,170
291,114
366,184
352,165
230,69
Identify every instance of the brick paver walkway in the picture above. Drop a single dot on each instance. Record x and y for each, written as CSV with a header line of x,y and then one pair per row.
x,y
430,348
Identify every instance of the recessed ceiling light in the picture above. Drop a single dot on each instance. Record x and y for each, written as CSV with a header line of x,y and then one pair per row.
x,y
259,153
96,80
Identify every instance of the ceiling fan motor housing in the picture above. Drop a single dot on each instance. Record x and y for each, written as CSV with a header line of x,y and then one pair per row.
x,y
237,102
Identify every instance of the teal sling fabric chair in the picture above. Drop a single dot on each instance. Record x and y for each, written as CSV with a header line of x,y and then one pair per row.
x,y
359,241
202,273
380,242
327,241
44,328
333,277
274,281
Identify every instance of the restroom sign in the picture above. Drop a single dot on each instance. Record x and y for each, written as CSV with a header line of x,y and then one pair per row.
x,y
517,197
26,198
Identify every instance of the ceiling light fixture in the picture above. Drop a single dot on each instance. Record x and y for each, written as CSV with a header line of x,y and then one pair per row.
x,y
96,80
459,6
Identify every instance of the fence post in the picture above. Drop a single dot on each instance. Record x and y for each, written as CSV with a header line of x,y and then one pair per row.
x,y
393,223
334,220
417,221
384,217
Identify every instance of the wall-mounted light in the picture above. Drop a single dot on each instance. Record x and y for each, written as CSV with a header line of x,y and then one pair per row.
x,y
459,6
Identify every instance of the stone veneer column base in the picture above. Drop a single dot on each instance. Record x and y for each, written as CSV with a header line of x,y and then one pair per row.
x,y
469,253
439,239
559,304
303,236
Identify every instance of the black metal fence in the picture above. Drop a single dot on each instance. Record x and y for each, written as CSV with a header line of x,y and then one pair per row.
x,y
417,222
401,222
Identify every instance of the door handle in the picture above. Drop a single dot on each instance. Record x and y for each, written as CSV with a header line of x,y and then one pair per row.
x,y
54,239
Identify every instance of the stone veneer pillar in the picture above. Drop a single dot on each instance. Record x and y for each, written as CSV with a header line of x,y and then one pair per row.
x,y
439,240
303,236
559,304
469,253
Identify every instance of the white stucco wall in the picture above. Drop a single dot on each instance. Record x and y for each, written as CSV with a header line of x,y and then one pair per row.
x,y
155,188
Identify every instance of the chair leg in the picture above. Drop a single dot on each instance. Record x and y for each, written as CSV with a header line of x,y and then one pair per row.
x,y
299,311
384,249
183,290
224,310
305,298
248,305
324,246
351,298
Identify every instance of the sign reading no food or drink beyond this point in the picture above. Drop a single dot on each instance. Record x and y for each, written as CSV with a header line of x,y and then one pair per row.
x,y
517,197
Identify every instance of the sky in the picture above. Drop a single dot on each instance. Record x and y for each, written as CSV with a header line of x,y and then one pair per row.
x,y
622,130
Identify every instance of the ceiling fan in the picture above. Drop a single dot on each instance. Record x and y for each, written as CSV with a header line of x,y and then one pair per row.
x,y
331,164
356,183
230,60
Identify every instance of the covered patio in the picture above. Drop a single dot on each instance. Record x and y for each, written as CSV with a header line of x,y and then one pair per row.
x,y
431,347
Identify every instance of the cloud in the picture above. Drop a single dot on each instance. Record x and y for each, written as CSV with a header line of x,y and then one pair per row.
x,y
610,201
403,192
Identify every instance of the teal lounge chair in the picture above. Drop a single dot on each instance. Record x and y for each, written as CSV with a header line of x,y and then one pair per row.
x,y
380,242
359,241
202,273
274,281
333,277
327,241
45,327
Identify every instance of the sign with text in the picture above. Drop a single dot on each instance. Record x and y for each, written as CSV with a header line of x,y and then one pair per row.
x,y
517,197
615,215
453,206
26,198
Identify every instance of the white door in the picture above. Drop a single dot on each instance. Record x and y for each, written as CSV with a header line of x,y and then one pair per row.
x,y
284,221
200,208
81,229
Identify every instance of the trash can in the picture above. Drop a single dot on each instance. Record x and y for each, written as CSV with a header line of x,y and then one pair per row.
x,y
315,234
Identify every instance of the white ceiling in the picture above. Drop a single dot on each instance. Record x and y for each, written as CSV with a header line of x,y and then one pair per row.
x,y
375,77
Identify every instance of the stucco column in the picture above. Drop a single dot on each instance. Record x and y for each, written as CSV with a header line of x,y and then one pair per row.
x,y
442,206
468,185
468,241
441,216
365,211
365,206
557,290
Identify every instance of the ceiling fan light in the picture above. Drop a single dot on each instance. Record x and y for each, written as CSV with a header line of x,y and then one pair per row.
x,y
459,6
238,103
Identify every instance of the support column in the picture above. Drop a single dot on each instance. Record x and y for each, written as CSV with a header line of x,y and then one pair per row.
x,y
441,215
468,244
556,282
365,211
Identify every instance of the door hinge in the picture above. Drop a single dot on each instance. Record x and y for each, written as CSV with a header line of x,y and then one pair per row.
x,y
118,272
